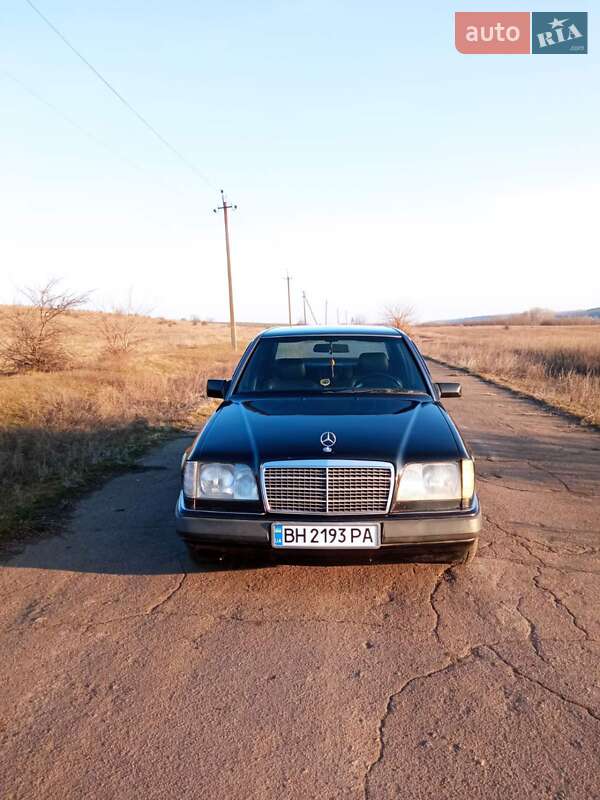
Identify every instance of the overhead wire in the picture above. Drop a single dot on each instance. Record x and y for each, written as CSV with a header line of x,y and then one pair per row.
x,y
121,98
92,136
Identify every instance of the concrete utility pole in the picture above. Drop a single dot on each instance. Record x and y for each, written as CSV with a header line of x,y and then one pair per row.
x,y
288,278
225,208
310,309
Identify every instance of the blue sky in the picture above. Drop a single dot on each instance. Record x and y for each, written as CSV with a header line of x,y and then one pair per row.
x,y
366,155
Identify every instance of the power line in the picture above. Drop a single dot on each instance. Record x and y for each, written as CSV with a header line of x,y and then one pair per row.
x,y
120,97
86,133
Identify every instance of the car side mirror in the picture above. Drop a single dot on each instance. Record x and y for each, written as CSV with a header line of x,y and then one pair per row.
x,y
450,389
216,387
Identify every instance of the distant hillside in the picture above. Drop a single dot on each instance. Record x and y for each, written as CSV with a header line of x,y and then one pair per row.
x,y
590,312
545,316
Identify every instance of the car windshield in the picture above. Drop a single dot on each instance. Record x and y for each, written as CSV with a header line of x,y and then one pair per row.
x,y
329,364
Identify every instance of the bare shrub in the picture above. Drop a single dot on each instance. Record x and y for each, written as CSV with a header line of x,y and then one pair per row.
x,y
558,364
539,316
58,430
120,329
35,332
400,316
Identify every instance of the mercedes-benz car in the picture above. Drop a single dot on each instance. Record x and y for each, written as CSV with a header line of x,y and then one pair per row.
x,y
330,441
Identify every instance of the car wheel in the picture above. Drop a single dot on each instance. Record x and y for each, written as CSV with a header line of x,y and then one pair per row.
x,y
204,556
470,551
210,559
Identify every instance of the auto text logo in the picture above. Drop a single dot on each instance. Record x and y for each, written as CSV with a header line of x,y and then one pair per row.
x,y
521,32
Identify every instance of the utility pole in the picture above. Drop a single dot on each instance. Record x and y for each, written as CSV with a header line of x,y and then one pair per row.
x,y
225,208
310,309
288,278
304,305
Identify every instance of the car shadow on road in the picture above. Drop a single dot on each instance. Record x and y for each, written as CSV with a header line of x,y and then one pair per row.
x,y
159,551
160,554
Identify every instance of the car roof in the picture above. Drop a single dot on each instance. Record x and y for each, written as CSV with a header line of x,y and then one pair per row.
x,y
330,330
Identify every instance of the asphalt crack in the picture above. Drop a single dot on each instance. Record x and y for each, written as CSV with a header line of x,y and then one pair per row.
x,y
516,488
556,477
561,570
444,576
170,594
560,604
527,545
391,705
534,635
519,673
521,540
474,651
148,611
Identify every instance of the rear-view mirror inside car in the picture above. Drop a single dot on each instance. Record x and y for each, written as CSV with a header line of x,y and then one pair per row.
x,y
322,347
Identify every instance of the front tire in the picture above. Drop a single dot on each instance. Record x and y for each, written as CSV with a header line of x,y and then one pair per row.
x,y
204,556
210,558
470,552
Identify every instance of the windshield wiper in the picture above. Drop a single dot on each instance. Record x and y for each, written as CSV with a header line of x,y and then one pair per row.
x,y
385,390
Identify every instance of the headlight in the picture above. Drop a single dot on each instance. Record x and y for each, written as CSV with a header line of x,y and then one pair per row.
x,y
436,484
219,481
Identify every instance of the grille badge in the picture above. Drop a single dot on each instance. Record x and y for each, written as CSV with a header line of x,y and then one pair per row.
x,y
328,439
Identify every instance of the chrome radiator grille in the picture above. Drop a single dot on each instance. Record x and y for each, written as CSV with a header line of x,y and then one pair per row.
x,y
328,487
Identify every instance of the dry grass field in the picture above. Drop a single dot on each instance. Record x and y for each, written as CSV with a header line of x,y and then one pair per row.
x,y
61,432
557,364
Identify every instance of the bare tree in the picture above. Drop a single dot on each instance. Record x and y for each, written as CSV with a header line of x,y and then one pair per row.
x,y
120,328
539,316
399,316
35,332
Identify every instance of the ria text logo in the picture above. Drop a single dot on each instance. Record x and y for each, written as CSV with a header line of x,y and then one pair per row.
x,y
518,32
559,33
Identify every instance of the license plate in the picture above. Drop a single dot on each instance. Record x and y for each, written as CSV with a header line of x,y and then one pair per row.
x,y
325,536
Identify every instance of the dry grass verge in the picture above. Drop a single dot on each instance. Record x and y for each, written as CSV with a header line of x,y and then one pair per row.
x,y
559,366
61,432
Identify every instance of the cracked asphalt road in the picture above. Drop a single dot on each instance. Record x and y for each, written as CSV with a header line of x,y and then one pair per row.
x,y
125,672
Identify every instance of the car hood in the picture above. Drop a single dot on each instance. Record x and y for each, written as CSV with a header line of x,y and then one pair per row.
x,y
366,427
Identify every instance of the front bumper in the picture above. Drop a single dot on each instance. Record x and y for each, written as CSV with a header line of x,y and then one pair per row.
x,y
231,530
